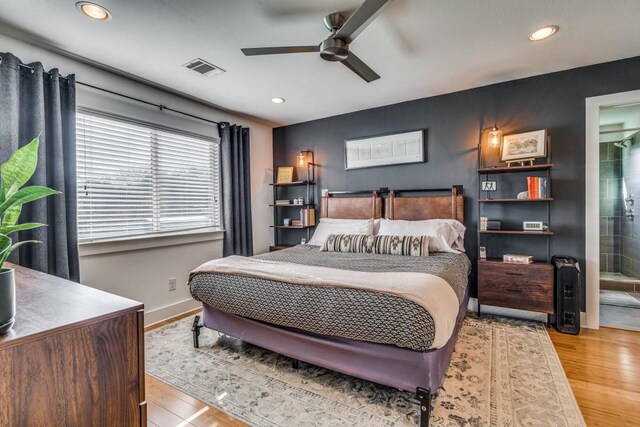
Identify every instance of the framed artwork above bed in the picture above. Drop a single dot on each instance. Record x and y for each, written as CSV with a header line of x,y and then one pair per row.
x,y
400,148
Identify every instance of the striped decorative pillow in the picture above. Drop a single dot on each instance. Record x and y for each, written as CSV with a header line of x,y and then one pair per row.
x,y
357,243
402,245
370,244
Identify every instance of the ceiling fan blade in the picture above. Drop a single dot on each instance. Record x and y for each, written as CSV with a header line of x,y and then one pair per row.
x,y
278,50
362,17
356,65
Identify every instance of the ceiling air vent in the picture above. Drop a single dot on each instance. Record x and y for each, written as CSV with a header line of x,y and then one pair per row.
x,y
203,67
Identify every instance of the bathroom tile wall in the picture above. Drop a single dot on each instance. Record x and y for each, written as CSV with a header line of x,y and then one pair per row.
x,y
630,229
611,207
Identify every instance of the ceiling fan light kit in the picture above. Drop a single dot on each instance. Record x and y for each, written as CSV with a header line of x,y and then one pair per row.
x,y
335,48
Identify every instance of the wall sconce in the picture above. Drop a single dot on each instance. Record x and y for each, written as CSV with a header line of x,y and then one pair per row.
x,y
495,136
306,158
489,146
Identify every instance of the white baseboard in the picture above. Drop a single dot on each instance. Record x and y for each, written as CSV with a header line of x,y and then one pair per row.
x,y
168,311
510,312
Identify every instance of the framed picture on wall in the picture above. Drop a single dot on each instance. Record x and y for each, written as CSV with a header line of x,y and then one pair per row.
x,y
524,146
407,147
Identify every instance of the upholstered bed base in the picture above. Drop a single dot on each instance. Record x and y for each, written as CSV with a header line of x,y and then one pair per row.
x,y
384,364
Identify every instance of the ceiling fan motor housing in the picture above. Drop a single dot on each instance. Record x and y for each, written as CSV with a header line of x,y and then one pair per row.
x,y
334,50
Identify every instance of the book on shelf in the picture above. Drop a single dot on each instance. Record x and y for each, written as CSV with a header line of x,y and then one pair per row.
x,y
308,216
517,259
538,187
296,223
283,202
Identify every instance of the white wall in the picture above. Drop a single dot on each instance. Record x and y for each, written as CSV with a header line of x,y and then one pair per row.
x,y
141,269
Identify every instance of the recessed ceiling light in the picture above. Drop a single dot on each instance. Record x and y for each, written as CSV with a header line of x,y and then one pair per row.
x,y
93,11
277,100
544,33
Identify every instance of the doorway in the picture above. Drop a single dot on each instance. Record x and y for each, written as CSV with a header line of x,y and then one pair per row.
x,y
619,158
611,213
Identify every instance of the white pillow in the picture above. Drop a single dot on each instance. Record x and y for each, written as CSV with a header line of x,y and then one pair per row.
x,y
329,226
447,235
460,228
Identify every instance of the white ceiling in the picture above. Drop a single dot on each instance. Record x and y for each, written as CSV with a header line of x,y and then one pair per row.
x,y
420,48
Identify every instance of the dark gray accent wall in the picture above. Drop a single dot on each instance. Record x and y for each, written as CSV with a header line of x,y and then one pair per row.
x,y
453,121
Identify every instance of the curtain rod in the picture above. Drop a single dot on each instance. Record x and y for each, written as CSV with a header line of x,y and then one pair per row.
x,y
160,106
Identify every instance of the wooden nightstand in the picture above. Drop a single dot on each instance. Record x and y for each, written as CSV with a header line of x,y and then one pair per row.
x,y
522,286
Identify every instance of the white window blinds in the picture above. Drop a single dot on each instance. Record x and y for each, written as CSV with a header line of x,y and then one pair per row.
x,y
134,179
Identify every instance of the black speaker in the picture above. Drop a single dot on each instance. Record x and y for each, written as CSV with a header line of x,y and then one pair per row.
x,y
568,289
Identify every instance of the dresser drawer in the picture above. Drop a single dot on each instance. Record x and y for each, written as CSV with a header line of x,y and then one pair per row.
x,y
521,286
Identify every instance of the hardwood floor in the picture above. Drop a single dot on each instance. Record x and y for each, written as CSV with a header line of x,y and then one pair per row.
x,y
603,368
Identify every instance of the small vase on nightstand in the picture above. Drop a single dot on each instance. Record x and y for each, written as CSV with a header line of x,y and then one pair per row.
x,y
7,299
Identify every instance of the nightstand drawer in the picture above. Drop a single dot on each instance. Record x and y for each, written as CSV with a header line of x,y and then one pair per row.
x,y
521,286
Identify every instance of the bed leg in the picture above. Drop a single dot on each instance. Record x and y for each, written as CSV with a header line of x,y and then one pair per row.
x,y
295,363
424,396
195,328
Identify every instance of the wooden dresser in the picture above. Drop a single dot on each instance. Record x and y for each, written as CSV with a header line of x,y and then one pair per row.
x,y
75,356
522,286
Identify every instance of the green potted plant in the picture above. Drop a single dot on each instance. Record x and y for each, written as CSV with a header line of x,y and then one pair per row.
x,y
14,174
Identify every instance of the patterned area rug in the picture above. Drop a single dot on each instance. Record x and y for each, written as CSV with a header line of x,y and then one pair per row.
x,y
503,373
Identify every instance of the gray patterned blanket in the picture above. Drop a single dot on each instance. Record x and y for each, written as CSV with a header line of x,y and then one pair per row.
x,y
342,312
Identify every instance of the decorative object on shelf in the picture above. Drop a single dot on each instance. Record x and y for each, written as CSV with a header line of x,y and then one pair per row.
x,y
300,201
489,146
296,223
489,186
286,222
384,150
483,223
483,252
537,187
15,173
308,216
524,147
523,195
534,226
494,224
285,175
517,259
303,241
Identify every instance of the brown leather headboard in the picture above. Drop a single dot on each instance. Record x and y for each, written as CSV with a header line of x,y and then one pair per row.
x,y
345,207
415,208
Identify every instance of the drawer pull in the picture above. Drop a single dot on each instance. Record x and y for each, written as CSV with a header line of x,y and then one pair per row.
x,y
509,273
514,290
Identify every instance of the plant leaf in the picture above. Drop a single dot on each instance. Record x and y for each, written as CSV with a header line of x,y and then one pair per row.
x,y
26,195
6,229
12,248
11,216
5,244
20,167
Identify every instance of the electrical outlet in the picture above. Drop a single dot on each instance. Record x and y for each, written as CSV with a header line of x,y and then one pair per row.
x,y
172,284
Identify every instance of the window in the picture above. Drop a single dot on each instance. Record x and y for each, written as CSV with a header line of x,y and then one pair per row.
x,y
135,179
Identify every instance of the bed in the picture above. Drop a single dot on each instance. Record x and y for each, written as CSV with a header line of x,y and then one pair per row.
x,y
372,335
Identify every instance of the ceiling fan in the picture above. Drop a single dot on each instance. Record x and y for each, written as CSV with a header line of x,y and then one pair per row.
x,y
336,46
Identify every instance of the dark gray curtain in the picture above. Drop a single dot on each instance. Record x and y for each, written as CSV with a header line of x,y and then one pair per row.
x,y
36,102
236,189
